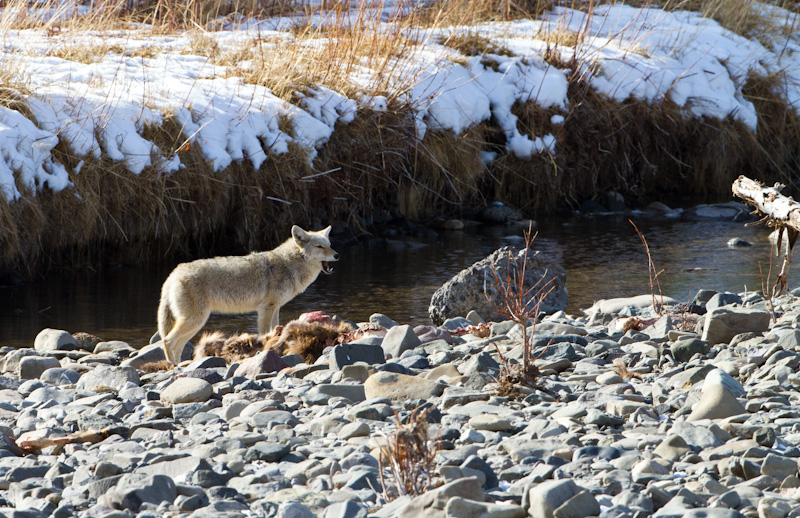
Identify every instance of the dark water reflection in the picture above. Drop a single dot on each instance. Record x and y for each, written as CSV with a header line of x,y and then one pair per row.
x,y
603,257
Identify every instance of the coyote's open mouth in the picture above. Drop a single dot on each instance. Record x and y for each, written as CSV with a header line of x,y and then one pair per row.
x,y
326,268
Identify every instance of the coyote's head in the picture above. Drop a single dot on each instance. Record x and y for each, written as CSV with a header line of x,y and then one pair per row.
x,y
316,246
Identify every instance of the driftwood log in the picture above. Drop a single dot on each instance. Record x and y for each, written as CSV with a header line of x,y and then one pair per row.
x,y
779,211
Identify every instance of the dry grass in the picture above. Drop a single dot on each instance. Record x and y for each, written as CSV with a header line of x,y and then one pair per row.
x,y
84,53
471,12
473,44
744,17
332,51
410,457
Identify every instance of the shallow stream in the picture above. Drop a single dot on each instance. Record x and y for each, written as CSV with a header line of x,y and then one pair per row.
x,y
603,257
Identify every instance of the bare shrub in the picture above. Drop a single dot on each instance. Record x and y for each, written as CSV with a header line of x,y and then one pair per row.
x,y
520,303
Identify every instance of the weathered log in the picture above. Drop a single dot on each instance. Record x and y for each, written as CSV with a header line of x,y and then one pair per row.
x,y
779,211
33,444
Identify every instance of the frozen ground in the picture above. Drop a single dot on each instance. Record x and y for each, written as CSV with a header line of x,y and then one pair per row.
x,y
102,107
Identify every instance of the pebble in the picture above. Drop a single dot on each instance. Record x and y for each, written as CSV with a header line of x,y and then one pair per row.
x,y
695,426
186,390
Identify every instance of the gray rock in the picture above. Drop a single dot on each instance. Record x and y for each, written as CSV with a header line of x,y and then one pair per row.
x,y
720,377
698,436
54,394
208,362
481,362
358,371
469,288
107,376
155,353
455,323
60,376
716,403
273,417
498,212
596,417
738,242
722,324
293,509
579,506
790,340
382,320
672,448
266,451
186,390
722,299
542,500
560,349
473,462
458,507
683,350
474,317
400,387
184,411
351,430
135,489
398,340
54,340
13,359
432,503
208,375
705,512
264,362
176,468
596,452
609,378
32,367
350,353
490,422
91,421
729,211
8,383
355,393
659,331
765,436
346,509
778,466
703,296
115,346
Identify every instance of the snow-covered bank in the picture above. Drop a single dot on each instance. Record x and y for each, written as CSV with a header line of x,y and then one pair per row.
x,y
137,136
101,107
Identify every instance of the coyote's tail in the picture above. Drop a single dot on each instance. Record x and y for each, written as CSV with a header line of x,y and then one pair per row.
x,y
166,321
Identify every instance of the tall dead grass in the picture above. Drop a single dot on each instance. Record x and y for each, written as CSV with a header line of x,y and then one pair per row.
x,y
744,17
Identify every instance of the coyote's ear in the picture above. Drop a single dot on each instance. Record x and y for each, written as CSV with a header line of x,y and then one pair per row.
x,y
299,235
326,231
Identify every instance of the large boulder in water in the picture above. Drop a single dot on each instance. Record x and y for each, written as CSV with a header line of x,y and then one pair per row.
x,y
468,290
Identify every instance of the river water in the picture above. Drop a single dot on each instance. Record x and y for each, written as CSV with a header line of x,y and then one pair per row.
x,y
603,257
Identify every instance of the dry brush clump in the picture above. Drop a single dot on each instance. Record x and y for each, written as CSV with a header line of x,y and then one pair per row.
x,y
408,457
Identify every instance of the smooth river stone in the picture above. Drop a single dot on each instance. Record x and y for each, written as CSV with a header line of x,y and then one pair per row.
x,y
186,390
717,402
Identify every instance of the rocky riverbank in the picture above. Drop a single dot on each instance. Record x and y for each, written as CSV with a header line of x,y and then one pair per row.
x,y
693,413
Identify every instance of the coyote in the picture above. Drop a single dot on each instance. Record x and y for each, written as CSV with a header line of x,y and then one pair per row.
x,y
261,281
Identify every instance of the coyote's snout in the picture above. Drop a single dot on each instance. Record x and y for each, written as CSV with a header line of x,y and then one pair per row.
x,y
261,281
